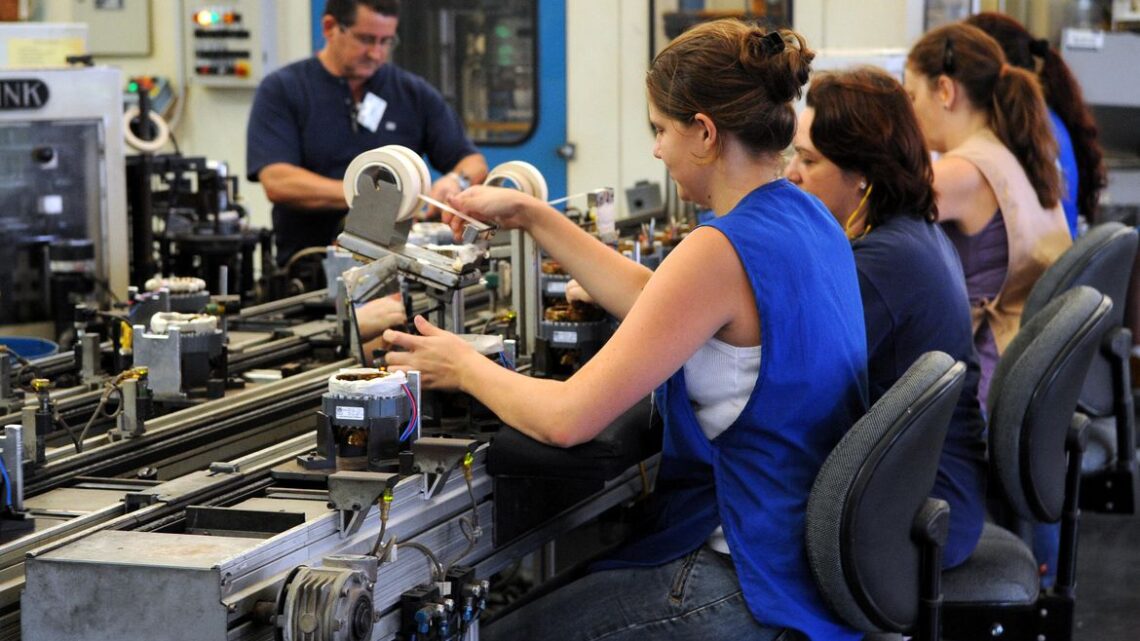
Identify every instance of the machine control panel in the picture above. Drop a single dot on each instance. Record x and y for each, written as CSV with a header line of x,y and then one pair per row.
x,y
232,44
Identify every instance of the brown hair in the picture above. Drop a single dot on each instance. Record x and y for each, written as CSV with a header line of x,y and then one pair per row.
x,y
1010,96
740,76
864,122
1062,94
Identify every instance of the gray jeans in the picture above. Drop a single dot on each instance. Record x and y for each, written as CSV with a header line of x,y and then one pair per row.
x,y
695,597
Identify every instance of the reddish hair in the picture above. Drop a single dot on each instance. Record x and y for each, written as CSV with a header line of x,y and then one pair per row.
x,y
864,122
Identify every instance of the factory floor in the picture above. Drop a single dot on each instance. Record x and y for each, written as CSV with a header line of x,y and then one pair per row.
x,y
1108,578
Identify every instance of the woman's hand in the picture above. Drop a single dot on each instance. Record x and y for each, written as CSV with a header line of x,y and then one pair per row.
x,y
507,208
439,356
576,293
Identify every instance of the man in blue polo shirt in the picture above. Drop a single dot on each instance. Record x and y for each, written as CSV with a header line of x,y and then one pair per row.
x,y
311,118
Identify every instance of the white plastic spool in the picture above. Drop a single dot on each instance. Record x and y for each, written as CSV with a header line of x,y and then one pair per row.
x,y
405,167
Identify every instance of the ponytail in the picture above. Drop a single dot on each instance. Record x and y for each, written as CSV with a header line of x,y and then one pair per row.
x,y
1019,119
1063,94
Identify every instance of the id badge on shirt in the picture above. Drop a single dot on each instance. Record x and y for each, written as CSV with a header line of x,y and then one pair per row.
x,y
371,111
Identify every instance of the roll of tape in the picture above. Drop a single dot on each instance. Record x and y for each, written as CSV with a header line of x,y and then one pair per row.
x,y
522,176
402,164
148,146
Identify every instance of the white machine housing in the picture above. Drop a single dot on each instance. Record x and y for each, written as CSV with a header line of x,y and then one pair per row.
x,y
67,97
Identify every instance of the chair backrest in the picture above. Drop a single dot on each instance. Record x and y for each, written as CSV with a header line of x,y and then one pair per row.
x,y
869,491
1033,396
1102,259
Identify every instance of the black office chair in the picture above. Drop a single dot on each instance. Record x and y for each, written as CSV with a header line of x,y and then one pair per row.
x,y
874,538
1102,259
1036,443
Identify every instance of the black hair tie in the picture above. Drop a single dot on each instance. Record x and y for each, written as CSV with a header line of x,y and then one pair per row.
x,y
1039,48
772,43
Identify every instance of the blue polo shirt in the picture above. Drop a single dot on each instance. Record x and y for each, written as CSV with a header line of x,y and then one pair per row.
x,y
914,301
305,116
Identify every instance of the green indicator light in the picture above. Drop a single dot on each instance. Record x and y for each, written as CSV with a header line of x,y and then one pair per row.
x,y
133,87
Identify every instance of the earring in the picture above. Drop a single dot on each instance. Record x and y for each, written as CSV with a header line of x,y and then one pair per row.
x,y
862,185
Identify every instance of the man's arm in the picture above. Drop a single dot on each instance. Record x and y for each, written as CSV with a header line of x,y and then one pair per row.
x,y
294,186
472,167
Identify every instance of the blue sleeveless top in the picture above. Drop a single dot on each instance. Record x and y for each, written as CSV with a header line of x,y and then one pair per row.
x,y
754,479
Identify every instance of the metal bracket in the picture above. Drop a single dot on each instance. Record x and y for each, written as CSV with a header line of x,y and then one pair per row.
x,y
353,494
436,457
224,467
136,500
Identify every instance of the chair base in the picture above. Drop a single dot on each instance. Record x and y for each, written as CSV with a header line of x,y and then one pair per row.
x,y
1050,617
1112,490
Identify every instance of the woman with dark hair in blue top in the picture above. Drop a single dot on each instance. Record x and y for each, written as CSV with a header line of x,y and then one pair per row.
x,y
746,432
859,148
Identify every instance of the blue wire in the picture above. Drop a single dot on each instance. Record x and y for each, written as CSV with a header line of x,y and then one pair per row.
x,y
415,416
7,483
505,362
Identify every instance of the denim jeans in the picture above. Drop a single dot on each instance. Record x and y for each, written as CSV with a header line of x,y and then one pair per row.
x,y
696,597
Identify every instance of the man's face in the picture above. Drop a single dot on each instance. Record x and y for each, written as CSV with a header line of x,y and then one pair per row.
x,y
358,51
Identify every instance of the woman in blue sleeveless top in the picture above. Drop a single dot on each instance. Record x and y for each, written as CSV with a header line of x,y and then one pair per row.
x,y
746,432
859,148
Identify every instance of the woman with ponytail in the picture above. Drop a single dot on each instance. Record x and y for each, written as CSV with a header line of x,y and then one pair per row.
x,y
859,149
1079,153
997,182
723,555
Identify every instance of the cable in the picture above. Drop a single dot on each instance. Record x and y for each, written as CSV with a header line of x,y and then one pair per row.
x,y
435,567
7,483
506,362
62,423
385,508
414,420
469,527
112,387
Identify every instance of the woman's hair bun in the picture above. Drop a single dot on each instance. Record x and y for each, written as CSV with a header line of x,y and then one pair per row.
x,y
779,59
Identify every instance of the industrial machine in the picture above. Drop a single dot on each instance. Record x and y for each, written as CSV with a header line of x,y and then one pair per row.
x,y
231,464
61,195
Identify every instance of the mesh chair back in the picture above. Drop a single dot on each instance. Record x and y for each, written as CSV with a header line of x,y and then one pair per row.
x,y
868,492
1033,396
1101,259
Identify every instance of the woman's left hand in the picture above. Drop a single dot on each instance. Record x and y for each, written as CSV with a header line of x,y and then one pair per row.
x,y
438,355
